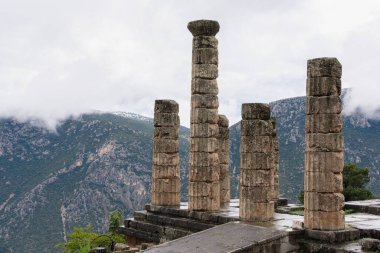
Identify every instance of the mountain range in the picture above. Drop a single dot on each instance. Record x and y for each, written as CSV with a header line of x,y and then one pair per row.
x,y
52,182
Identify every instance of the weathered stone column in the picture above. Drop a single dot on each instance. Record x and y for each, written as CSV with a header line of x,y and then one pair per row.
x,y
324,146
165,169
204,185
224,159
256,163
275,185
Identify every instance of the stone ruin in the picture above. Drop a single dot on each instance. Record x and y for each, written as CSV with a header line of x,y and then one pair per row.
x,y
209,204
209,146
323,184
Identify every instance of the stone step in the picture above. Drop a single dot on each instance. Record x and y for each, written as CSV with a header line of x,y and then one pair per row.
x,y
178,222
142,235
149,232
215,218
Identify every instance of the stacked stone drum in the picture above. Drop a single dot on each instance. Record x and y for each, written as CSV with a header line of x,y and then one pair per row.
x,y
323,184
256,163
224,158
275,186
204,184
165,169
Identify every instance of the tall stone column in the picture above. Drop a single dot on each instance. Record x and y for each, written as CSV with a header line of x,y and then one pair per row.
x,y
224,159
204,185
165,169
275,186
324,146
256,163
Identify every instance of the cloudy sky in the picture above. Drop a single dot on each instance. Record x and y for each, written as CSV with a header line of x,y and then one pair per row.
x,y
61,58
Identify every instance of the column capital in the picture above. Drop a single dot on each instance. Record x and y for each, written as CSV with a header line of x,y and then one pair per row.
x,y
203,27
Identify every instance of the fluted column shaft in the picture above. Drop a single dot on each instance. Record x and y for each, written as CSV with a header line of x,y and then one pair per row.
x,y
324,162
224,159
256,163
204,185
165,169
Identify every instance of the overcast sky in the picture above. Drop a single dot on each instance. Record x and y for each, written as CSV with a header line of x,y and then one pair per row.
x,y
61,58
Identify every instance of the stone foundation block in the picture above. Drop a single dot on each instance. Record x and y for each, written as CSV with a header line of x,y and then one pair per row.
x,y
205,174
328,104
165,159
206,71
204,101
203,159
324,220
324,123
204,115
328,67
166,119
256,178
204,145
323,182
205,56
324,161
325,142
326,202
323,86
204,86
168,172
255,111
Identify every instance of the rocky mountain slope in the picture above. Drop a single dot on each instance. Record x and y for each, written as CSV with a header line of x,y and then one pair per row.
x,y
53,181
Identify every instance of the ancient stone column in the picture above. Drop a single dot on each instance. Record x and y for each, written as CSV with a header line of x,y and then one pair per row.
x,y
275,152
256,163
323,184
204,185
165,169
224,159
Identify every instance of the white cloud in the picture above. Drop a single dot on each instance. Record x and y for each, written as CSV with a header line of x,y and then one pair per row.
x,y
65,58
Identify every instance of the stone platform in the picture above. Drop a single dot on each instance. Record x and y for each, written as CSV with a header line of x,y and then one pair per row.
x,y
159,224
230,237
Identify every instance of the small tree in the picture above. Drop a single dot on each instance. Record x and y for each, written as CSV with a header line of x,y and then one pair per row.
x,y
82,240
115,220
354,181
